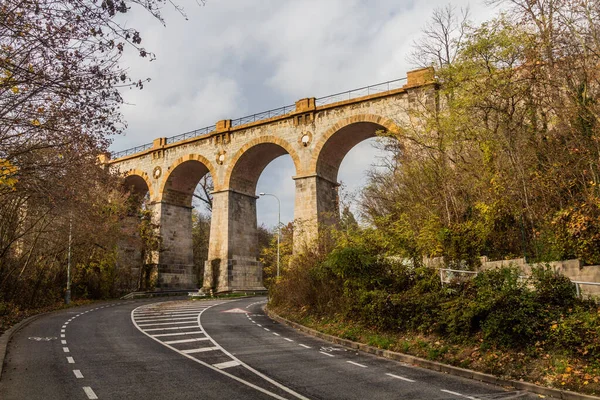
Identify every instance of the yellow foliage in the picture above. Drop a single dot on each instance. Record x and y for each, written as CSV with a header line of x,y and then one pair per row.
x,y
7,172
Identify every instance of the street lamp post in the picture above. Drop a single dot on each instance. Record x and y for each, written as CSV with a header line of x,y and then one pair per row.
x,y
278,225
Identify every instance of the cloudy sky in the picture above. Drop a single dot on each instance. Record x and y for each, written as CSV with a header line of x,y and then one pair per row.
x,y
232,58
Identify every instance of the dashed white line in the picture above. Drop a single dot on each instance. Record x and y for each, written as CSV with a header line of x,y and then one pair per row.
x,y
78,373
66,349
70,360
458,394
90,393
357,364
303,345
259,325
267,329
62,335
289,340
400,377
276,334
63,342
327,354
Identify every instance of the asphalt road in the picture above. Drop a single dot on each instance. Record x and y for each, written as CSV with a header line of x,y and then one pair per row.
x,y
204,350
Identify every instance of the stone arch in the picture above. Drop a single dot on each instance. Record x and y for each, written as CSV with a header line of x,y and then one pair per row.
x,y
339,139
249,162
180,180
139,182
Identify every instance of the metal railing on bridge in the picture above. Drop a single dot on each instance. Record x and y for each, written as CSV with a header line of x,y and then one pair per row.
x,y
276,112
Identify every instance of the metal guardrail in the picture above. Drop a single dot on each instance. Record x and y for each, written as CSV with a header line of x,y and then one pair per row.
x,y
363,91
263,115
131,151
276,112
190,134
460,271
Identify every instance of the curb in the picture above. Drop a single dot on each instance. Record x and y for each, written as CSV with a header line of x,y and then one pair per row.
x,y
7,335
435,366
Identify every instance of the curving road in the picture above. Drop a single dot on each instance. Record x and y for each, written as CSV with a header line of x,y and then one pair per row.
x,y
204,350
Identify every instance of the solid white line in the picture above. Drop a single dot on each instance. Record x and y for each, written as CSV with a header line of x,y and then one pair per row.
x,y
289,340
78,373
63,342
226,364
200,350
165,319
170,329
400,377
66,349
458,394
90,393
357,364
70,360
157,317
177,334
303,345
186,340
327,354
165,323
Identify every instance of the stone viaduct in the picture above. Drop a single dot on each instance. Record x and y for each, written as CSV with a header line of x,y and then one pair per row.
x,y
316,133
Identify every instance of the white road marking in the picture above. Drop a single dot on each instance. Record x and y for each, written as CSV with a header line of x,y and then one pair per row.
x,y
62,331
66,349
259,325
177,333
63,327
303,345
186,340
90,393
357,364
70,360
63,342
78,373
327,354
165,323
253,322
276,334
166,319
200,350
400,377
170,329
224,372
67,323
458,394
289,340
226,364
267,329
62,335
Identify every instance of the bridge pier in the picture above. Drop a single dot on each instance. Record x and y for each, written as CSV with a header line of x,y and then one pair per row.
x,y
175,261
316,205
232,263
